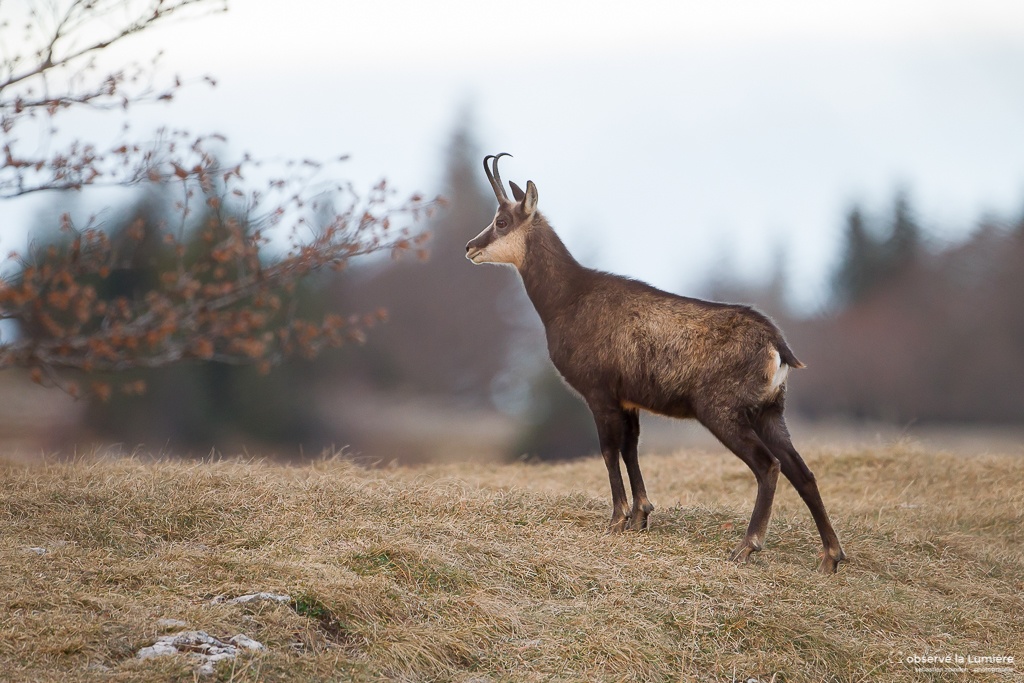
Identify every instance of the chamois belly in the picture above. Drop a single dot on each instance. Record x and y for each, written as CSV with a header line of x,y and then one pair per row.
x,y
671,381
669,396
657,385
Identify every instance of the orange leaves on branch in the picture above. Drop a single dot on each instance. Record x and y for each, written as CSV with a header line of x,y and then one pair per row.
x,y
137,230
202,348
136,388
249,347
101,349
58,300
204,280
102,390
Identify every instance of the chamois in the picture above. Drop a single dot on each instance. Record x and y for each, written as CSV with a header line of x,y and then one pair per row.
x,y
625,346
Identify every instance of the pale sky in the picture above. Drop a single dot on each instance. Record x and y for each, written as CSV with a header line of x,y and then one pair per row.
x,y
665,137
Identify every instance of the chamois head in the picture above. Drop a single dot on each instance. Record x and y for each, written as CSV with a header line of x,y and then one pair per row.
x,y
504,240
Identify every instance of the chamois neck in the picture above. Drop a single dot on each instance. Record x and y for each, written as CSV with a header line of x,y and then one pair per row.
x,y
550,273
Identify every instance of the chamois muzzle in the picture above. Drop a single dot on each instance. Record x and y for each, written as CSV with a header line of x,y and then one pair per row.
x,y
475,247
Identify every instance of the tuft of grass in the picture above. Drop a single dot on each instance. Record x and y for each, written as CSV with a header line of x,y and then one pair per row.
x,y
468,572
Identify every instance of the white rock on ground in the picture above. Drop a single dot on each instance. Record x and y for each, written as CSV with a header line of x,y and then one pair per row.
x,y
246,643
260,597
171,624
252,597
200,646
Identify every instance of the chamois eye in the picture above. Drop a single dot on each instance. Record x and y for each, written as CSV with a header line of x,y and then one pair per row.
x,y
501,224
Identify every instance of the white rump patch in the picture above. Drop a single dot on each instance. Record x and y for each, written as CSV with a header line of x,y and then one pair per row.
x,y
777,373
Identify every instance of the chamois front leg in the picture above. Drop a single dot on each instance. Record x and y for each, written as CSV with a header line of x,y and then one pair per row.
x,y
610,433
641,505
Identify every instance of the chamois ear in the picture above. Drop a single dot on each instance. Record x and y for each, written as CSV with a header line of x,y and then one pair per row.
x,y
530,199
517,192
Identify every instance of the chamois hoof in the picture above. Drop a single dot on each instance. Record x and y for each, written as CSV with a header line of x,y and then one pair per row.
x,y
638,518
637,522
830,564
741,555
618,525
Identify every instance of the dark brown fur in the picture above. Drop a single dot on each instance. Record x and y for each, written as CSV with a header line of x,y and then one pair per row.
x,y
624,346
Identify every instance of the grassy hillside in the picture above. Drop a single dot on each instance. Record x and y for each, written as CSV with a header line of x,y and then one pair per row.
x,y
493,573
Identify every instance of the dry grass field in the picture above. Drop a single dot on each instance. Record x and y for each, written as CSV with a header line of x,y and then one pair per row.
x,y
486,572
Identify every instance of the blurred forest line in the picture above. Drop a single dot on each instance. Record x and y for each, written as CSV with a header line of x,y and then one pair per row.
x,y
918,333
915,332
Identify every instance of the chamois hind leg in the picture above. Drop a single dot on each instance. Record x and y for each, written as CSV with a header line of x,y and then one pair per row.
x,y
641,505
740,438
771,427
611,435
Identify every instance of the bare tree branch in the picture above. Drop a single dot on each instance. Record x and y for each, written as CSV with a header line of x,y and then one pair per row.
x,y
82,12
209,278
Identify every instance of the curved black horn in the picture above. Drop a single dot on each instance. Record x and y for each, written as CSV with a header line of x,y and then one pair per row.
x,y
494,177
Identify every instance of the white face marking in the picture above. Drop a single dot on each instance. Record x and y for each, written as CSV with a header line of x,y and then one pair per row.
x,y
509,248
